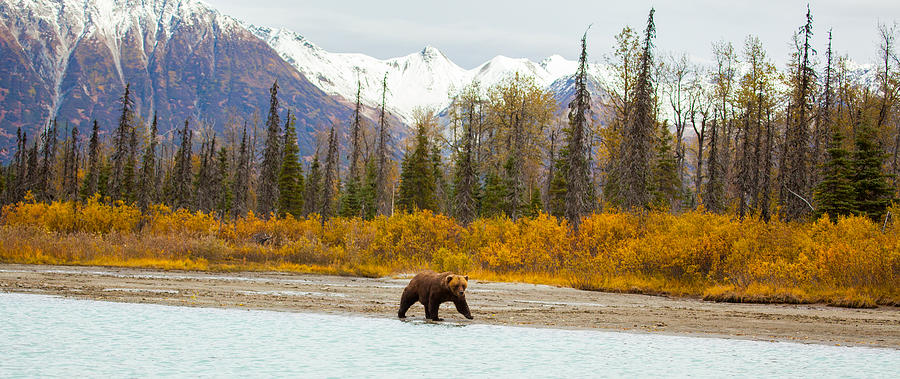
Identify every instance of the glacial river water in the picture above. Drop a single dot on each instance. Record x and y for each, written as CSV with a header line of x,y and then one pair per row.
x,y
44,336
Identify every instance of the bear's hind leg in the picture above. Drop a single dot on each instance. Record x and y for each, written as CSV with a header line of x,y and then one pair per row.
x,y
406,300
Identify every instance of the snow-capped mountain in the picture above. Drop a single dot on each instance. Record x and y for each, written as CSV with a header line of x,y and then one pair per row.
x,y
71,59
423,79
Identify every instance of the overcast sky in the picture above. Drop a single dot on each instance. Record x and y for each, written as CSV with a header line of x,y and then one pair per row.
x,y
471,32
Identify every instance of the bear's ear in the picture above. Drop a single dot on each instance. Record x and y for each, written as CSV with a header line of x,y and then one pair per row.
x,y
467,277
449,279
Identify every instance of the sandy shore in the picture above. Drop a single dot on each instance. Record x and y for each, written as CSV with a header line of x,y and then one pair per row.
x,y
491,303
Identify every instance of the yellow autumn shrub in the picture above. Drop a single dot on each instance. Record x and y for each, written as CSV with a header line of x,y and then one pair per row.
x,y
852,262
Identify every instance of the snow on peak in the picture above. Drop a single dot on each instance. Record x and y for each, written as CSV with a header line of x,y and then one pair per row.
x,y
426,78
431,52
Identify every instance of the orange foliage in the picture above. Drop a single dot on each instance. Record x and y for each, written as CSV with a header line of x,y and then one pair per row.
x,y
851,262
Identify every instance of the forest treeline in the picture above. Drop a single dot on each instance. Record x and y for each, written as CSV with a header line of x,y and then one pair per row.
x,y
740,137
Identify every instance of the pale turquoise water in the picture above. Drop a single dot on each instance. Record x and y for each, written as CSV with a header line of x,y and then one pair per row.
x,y
43,336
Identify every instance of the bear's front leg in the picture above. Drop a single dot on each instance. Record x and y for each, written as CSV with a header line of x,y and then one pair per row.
x,y
434,305
462,307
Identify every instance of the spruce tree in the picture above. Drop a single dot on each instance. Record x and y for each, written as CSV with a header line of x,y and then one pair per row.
x,y
873,193
268,177
714,190
148,181
465,178
558,185
44,184
465,181
32,172
665,184
129,191
330,180
835,195
225,195
382,190
367,193
313,187
796,172
181,178
92,177
70,173
417,182
206,190
121,140
241,178
577,175
638,134
441,195
290,179
494,196
350,197
535,206
16,187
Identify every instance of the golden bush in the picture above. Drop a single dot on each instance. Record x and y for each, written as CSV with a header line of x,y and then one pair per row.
x,y
852,261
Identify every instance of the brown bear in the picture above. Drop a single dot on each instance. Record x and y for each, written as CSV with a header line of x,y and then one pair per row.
x,y
431,289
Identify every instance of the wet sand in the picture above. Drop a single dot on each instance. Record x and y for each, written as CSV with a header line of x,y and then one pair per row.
x,y
491,303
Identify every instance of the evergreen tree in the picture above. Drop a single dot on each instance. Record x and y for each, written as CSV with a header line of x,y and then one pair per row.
x,y
638,134
92,177
313,187
330,181
350,197
417,182
558,185
206,189
441,194
103,179
44,184
121,147
835,193
351,205
129,192
70,172
536,206
5,176
16,186
368,191
714,191
665,185
271,164
32,173
147,190
225,195
241,178
382,190
290,179
180,197
873,193
465,178
796,179
494,195
577,175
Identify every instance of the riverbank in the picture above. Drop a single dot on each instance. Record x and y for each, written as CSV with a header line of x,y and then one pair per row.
x,y
491,303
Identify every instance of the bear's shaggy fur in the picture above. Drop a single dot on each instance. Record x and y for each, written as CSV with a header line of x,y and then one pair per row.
x,y
431,289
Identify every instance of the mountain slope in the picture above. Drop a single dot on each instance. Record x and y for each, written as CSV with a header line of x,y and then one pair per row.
x,y
71,59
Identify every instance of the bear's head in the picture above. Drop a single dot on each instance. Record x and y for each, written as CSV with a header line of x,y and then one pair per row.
x,y
457,284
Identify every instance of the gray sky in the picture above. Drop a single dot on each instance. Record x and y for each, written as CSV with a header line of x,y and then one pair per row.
x,y
471,32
